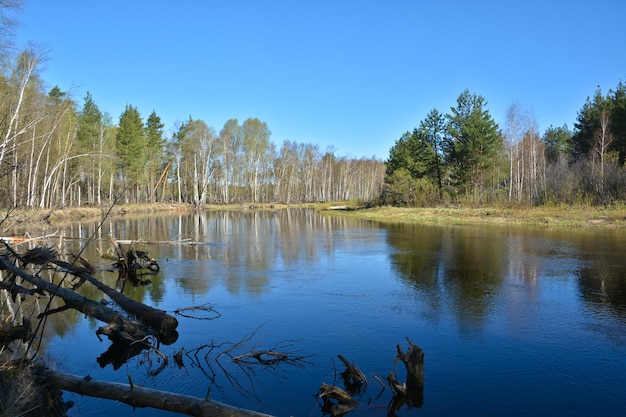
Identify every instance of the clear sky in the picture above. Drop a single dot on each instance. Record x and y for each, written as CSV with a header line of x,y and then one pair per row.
x,y
353,75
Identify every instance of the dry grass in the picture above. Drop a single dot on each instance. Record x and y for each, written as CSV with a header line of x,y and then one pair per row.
x,y
564,216
22,396
570,216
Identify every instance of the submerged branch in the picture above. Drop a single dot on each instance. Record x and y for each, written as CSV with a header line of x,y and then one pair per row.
x,y
144,397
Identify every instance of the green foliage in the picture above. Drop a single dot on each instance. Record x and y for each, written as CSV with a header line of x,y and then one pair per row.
x,y
402,189
473,142
587,123
131,144
558,142
413,153
155,142
89,125
432,130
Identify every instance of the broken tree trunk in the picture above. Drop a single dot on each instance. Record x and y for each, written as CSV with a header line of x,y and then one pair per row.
x,y
73,300
157,319
353,377
345,403
143,397
414,363
411,392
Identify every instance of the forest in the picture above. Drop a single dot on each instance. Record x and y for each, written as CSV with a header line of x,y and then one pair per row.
x,y
56,152
466,157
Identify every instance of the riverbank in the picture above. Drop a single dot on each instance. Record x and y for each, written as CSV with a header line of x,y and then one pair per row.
x,y
43,219
558,216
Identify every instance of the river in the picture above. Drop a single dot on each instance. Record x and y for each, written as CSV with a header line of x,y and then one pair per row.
x,y
516,321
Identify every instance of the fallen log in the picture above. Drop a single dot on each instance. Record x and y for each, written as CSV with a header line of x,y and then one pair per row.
x,y
143,397
73,300
157,319
16,290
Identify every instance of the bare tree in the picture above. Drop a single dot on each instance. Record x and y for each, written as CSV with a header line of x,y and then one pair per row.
x,y
602,139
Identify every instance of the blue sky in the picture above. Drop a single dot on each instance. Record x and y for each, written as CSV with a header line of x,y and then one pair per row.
x,y
353,75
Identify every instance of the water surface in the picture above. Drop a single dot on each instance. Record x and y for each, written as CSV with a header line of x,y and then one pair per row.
x,y
515,321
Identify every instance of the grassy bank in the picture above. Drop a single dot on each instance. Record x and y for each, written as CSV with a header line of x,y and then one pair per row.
x,y
561,216
44,219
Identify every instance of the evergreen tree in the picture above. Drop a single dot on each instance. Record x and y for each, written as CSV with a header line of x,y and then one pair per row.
x,y
587,123
432,130
89,125
618,120
473,142
88,136
558,142
155,143
412,152
131,148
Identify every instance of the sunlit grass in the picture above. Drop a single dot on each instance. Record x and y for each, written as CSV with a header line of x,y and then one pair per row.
x,y
571,216
549,215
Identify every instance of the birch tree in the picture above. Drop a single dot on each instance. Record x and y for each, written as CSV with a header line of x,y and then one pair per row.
x,y
256,143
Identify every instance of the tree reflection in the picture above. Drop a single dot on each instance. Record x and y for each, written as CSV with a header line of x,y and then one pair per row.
x,y
603,286
462,265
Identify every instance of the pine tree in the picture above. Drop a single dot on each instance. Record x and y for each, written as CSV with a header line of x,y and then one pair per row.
x,y
155,145
473,142
131,148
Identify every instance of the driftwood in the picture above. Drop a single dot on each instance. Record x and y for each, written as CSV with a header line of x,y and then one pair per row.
x,y
353,377
73,300
157,319
11,332
143,397
411,392
16,290
344,401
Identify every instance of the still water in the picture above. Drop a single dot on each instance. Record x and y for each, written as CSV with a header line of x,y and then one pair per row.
x,y
512,321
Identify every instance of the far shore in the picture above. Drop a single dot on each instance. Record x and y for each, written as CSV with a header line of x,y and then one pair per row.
x,y
553,216
545,216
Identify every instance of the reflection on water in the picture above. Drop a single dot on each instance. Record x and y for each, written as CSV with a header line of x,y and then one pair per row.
x,y
523,320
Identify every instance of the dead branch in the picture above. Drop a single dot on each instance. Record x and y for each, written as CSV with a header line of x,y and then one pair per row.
x,y
16,290
344,401
136,396
414,363
411,392
201,308
72,300
157,319
263,357
353,377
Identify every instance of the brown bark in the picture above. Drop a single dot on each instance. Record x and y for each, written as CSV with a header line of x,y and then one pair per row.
x,y
72,300
345,403
411,392
353,377
157,319
414,363
143,397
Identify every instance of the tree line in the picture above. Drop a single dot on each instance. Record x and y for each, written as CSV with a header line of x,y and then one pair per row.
x,y
56,153
465,156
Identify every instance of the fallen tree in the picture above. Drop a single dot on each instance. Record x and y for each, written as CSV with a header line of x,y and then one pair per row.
x,y
152,321
157,319
73,300
143,397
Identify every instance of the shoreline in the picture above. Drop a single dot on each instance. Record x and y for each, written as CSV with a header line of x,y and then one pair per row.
x,y
550,216
553,216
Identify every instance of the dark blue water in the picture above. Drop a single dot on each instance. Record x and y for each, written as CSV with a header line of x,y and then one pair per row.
x,y
512,321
